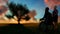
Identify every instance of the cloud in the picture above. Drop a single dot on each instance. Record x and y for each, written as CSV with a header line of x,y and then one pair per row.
x,y
32,13
3,2
52,3
3,8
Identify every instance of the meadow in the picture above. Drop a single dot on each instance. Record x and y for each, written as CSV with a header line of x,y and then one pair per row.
x,y
27,28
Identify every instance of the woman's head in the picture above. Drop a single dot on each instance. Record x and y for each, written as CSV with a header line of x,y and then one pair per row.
x,y
46,9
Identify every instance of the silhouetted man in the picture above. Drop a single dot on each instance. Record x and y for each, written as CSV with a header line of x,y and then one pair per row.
x,y
55,17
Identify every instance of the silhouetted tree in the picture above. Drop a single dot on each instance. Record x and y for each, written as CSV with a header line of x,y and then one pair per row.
x,y
27,18
23,11
12,8
18,10
9,16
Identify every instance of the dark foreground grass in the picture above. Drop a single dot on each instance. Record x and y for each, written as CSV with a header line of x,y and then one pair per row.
x,y
20,29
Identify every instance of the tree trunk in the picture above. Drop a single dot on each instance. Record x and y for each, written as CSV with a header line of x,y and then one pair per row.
x,y
19,20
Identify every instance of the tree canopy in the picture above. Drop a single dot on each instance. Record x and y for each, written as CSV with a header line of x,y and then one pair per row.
x,y
19,10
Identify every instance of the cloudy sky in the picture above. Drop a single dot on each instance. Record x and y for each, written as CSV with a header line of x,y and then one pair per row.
x,y
38,5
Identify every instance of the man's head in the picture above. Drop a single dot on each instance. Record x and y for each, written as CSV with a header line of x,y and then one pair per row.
x,y
55,7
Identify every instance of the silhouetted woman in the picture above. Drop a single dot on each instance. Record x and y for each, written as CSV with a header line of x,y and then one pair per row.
x,y
47,18
55,16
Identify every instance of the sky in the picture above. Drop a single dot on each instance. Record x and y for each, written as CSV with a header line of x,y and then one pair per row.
x,y
38,5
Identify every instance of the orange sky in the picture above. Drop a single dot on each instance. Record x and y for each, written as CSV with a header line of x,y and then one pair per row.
x,y
32,14
12,21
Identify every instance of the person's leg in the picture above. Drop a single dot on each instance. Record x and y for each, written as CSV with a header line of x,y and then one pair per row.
x,y
55,26
56,22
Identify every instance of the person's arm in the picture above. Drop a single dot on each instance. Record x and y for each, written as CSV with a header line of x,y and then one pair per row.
x,y
43,17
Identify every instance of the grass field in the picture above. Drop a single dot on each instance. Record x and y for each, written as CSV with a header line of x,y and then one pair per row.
x,y
27,28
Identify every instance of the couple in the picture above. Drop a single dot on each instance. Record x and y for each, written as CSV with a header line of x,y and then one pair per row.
x,y
51,19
